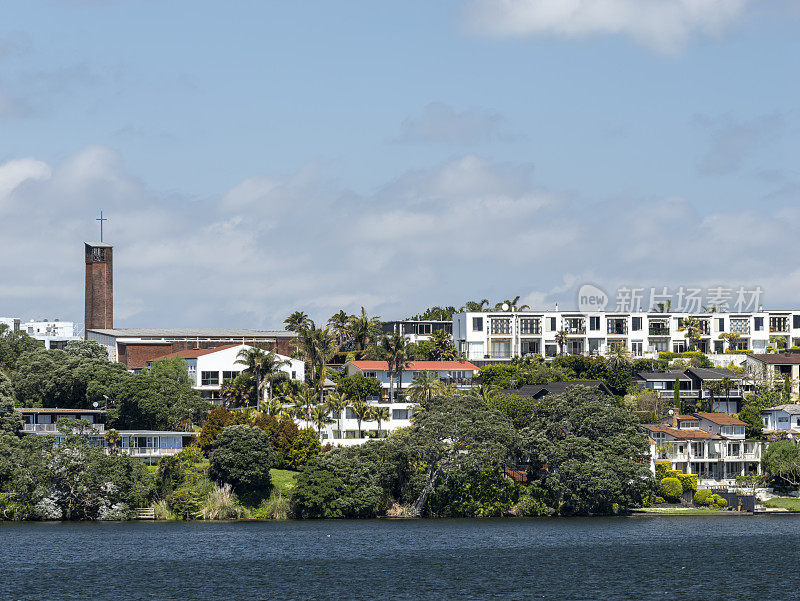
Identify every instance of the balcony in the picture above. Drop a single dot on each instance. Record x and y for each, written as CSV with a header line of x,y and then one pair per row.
x,y
575,329
456,381
145,452
658,331
54,428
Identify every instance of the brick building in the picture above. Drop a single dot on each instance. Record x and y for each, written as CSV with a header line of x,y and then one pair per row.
x,y
134,347
99,291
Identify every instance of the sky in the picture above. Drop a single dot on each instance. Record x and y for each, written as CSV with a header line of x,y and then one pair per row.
x,y
256,158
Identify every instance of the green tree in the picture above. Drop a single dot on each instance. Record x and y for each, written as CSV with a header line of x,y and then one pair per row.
x,y
518,409
424,386
363,328
691,330
358,388
216,422
781,461
338,324
443,347
587,452
362,411
394,350
338,403
561,340
11,421
380,415
262,365
321,417
242,457
297,321
732,339
305,448
457,432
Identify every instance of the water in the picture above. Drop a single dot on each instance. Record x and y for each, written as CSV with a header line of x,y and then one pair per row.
x,y
706,558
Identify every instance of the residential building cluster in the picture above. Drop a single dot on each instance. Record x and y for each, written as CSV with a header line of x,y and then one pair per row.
x,y
54,334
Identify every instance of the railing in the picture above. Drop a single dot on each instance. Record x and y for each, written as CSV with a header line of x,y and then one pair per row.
x,y
457,381
617,330
145,452
575,329
658,331
54,428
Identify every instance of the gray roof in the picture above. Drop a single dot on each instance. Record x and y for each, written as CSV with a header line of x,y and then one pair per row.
x,y
190,333
99,244
536,390
714,373
662,375
155,433
792,408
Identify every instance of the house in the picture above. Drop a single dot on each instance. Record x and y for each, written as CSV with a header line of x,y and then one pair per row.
x,y
695,385
711,445
209,368
134,347
537,391
148,445
54,334
782,419
416,330
498,336
344,430
775,367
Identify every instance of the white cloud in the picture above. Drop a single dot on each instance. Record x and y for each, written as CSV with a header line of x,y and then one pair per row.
x,y
469,228
664,25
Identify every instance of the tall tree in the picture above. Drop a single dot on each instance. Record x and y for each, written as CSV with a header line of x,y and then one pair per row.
x,y
321,417
338,403
297,321
362,411
424,386
692,331
363,328
561,340
393,349
338,324
263,365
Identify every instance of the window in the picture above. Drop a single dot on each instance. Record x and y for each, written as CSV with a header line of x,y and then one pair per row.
x,y
552,323
733,449
783,420
617,325
636,323
740,325
500,325
529,325
594,323
424,329
350,414
370,374
229,375
758,324
209,378
796,321
720,324
294,375
501,349
636,347
659,346
399,413
778,324
477,324
680,322
679,347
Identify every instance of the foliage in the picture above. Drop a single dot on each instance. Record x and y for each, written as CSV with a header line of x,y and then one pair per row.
x,y
702,497
698,359
13,345
217,420
305,448
242,457
474,492
688,481
671,489
11,421
664,470
752,416
276,507
718,501
588,453
357,387
221,504
516,408
533,502
781,461
435,314
646,404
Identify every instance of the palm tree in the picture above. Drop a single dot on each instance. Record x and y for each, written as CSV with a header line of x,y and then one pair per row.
x,y
338,402
424,386
235,394
714,388
485,391
321,417
380,414
363,412
317,346
338,324
617,355
262,365
297,321
114,439
561,340
475,305
363,328
443,349
664,307
303,402
726,385
691,327
393,348
732,338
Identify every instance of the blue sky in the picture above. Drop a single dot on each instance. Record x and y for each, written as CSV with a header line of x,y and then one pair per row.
x,y
256,157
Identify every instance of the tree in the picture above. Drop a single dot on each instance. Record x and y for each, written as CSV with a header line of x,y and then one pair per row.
x,y
263,366
321,417
443,347
13,345
617,355
305,448
588,453
11,421
338,402
318,346
242,457
457,432
363,412
380,415
475,306
692,331
297,321
518,409
561,340
732,338
238,392
424,386
338,324
357,387
216,422
676,393
393,349
726,385
303,401
755,424
485,392
363,328
781,461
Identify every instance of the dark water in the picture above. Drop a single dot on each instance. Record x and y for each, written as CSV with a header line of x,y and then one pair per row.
x,y
704,558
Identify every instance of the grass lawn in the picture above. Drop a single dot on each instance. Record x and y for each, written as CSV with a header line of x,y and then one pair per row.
x,y
790,503
283,480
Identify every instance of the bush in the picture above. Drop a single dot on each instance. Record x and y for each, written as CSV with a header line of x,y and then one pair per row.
x,y
305,447
718,501
664,470
242,457
688,481
671,489
274,508
659,500
221,504
533,502
702,498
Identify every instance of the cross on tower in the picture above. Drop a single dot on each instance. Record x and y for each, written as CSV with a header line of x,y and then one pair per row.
x,y
101,220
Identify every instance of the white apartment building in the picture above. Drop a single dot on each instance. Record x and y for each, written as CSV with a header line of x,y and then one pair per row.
x,y
711,445
54,334
344,430
415,330
500,335
11,322
209,368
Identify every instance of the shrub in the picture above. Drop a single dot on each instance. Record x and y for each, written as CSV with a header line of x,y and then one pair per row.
x,y
688,481
702,498
671,489
515,407
305,447
242,457
221,504
532,502
664,470
659,500
274,508
718,501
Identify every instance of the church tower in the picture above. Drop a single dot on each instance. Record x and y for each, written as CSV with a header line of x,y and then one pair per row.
x,y
99,299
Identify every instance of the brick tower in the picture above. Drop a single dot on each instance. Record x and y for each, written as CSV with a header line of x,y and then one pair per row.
x,y
99,311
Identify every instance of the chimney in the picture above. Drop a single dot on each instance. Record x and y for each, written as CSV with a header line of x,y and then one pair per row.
x,y
674,412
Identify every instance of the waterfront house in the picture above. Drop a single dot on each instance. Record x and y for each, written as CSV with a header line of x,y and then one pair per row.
x,y
694,385
784,419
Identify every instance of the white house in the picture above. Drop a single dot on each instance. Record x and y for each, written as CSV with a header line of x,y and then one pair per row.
x,y
782,418
55,334
416,330
457,373
502,335
711,445
209,368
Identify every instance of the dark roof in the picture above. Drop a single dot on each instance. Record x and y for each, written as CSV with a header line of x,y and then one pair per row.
x,y
661,375
713,373
777,358
540,390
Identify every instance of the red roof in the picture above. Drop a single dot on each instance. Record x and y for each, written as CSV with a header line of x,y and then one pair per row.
x,y
193,353
415,365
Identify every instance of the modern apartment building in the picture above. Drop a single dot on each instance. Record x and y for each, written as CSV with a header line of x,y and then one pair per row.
x,y
499,335
415,331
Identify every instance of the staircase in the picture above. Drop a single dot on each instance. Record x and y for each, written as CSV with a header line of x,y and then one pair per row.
x,y
144,513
